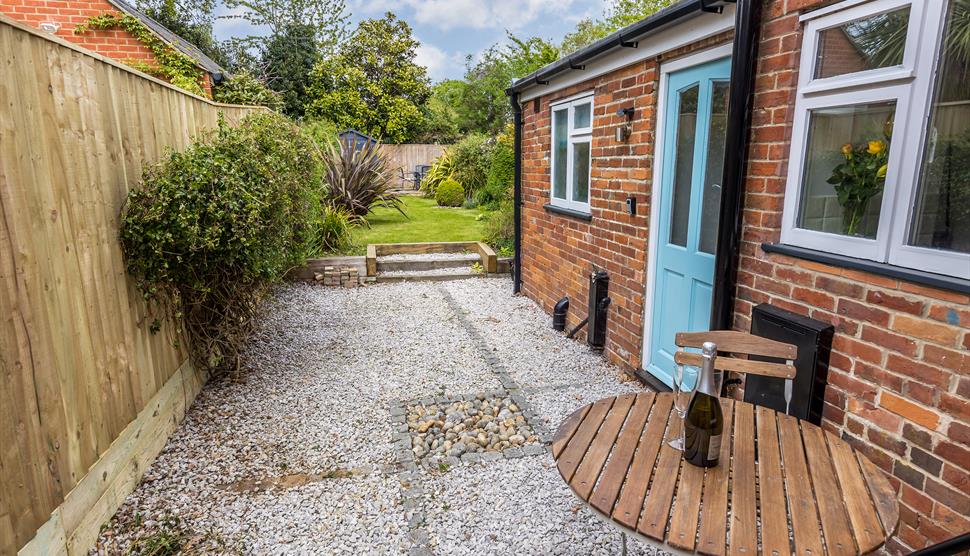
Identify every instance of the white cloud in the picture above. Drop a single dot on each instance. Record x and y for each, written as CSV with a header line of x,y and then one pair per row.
x,y
440,64
445,15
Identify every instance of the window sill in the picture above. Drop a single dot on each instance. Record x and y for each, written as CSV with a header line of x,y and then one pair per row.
x,y
568,212
883,269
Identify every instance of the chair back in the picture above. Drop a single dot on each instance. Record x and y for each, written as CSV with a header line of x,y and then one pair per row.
x,y
739,343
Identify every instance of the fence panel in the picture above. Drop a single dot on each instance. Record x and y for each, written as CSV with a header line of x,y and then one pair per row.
x,y
78,364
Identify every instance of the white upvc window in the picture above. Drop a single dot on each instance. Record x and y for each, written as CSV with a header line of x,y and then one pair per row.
x,y
572,141
880,151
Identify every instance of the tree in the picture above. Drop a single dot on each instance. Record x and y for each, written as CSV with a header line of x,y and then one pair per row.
x,y
300,32
484,106
326,18
287,61
442,121
372,83
617,16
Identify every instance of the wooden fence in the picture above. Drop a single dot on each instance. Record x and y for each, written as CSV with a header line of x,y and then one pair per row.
x,y
87,393
407,156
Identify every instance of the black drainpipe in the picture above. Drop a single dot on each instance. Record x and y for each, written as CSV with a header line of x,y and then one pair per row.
x,y
747,21
517,193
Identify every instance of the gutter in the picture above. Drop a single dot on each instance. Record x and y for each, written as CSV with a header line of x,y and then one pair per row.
x,y
517,192
744,65
624,38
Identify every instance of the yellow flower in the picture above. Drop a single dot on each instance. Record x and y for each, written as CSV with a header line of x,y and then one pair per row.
x,y
847,149
881,172
876,147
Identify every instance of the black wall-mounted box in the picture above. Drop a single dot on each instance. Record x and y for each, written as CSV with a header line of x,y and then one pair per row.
x,y
814,341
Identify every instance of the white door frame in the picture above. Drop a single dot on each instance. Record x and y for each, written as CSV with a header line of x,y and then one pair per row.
x,y
656,200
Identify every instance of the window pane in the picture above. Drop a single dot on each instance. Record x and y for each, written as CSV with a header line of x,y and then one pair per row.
x,y
711,208
581,172
941,219
581,116
683,166
868,43
559,122
845,168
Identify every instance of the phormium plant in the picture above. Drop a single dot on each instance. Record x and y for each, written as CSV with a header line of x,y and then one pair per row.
x,y
210,228
358,179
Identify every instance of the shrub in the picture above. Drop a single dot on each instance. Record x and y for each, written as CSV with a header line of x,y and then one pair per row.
x,y
358,180
472,157
500,228
245,88
335,230
450,194
501,173
323,132
441,170
210,228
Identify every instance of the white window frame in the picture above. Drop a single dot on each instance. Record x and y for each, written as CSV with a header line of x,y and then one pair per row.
x,y
911,86
573,136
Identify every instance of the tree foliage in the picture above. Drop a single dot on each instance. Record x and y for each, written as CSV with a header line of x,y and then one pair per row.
x,y
244,88
618,15
372,83
300,32
484,106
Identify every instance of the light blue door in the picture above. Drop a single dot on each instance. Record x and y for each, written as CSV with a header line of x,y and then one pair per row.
x,y
695,117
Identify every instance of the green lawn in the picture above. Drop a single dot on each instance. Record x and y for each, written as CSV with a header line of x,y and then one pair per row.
x,y
425,221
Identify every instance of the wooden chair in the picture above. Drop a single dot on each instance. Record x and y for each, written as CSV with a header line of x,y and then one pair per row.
x,y
741,343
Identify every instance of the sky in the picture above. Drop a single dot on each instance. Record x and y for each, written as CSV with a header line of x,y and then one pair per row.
x,y
451,30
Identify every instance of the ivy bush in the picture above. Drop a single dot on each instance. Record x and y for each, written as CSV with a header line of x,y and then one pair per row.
x,y
450,194
210,228
500,229
245,88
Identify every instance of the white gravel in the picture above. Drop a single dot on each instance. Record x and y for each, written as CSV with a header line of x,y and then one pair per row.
x,y
311,415
432,272
427,257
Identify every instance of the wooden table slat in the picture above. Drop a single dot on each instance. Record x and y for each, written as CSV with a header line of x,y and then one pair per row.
x,y
627,510
608,489
656,506
567,429
813,493
798,485
575,451
865,521
712,537
882,494
744,509
835,523
589,470
771,487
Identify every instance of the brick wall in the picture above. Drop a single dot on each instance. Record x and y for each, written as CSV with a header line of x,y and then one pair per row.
x,y
899,388
115,44
559,252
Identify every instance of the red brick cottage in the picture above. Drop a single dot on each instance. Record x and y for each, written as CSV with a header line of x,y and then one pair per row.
x,y
816,160
60,17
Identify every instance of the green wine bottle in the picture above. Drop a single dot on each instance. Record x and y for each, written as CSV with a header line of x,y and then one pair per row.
x,y
704,421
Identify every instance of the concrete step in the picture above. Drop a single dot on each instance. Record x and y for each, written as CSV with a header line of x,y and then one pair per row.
x,y
394,263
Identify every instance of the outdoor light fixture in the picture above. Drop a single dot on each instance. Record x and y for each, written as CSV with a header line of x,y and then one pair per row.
x,y
623,132
49,26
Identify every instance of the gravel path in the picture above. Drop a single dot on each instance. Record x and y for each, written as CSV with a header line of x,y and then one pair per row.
x,y
298,456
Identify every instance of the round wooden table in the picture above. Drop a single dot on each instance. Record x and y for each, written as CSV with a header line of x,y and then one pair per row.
x,y
782,486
